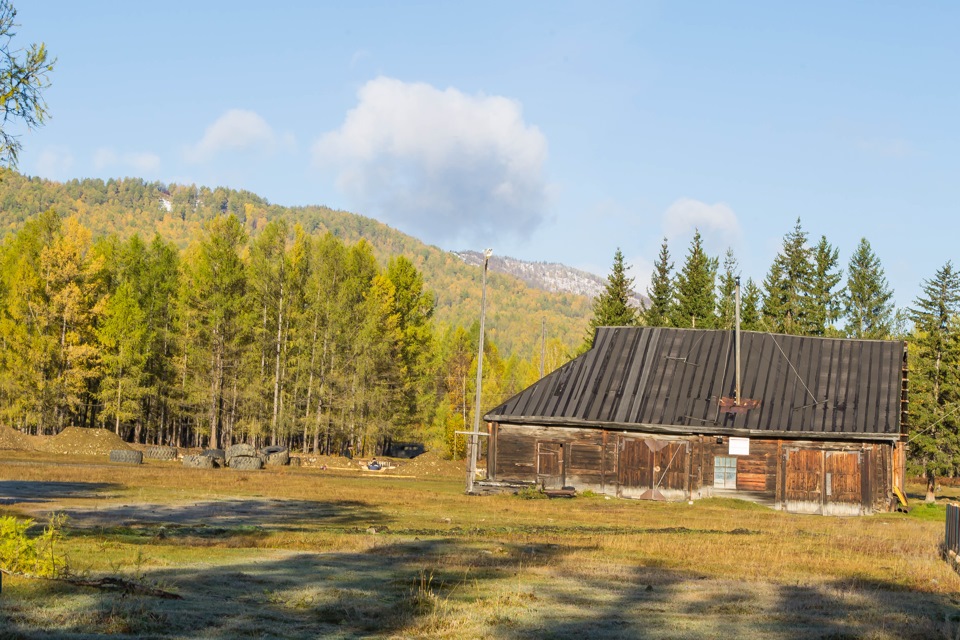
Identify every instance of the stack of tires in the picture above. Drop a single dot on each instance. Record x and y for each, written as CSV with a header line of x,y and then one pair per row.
x,y
126,456
161,453
242,457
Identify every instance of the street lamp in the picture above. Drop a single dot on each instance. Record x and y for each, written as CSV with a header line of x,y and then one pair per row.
x,y
472,448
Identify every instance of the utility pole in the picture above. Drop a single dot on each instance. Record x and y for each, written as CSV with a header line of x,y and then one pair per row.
x,y
543,343
473,448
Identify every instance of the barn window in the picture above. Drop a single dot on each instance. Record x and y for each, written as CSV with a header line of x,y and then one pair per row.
x,y
725,472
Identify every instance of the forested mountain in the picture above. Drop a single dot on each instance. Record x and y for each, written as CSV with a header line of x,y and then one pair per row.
x,y
191,316
178,213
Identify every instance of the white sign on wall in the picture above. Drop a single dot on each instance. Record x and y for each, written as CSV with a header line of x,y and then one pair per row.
x,y
739,446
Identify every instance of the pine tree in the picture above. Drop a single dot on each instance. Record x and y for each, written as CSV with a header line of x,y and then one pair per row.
x,y
696,300
786,303
868,303
658,313
726,304
611,308
935,378
825,305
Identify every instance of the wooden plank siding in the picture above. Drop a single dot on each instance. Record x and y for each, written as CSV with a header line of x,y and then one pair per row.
x,y
801,476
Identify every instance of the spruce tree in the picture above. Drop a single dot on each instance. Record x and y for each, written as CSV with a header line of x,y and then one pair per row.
x,y
728,286
658,313
868,303
786,303
934,375
825,303
751,318
611,308
696,301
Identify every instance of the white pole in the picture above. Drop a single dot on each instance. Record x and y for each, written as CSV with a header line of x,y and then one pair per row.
x,y
472,445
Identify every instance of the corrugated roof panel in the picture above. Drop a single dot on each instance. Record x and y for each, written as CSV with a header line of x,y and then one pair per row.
x,y
675,377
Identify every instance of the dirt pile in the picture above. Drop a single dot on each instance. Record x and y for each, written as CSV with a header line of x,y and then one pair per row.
x,y
83,442
431,464
13,439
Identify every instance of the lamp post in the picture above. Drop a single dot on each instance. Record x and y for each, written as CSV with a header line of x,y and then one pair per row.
x,y
472,448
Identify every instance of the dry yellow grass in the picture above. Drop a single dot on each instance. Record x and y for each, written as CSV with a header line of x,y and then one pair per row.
x,y
308,553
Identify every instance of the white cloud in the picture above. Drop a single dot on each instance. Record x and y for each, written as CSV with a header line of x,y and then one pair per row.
x,y
235,130
717,223
444,164
141,162
54,163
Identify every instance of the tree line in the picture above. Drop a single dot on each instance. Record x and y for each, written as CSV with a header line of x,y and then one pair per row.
x,y
804,293
282,338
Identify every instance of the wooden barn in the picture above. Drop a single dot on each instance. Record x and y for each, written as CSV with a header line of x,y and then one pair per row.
x,y
817,425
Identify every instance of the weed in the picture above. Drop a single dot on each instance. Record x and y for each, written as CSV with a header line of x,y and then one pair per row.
x,y
531,493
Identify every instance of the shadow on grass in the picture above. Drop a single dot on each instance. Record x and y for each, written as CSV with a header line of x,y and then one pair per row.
x,y
474,586
396,589
23,491
659,604
262,514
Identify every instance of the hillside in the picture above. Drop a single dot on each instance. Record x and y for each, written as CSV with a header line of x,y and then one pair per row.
x,y
548,276
178,213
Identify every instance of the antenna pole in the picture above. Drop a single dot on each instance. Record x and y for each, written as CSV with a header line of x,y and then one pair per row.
x,y
736,315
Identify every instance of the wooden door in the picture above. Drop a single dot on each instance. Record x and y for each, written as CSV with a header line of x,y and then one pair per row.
x,y
550,465
652,469
842,483
804,478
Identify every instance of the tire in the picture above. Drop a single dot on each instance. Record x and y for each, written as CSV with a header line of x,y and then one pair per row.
x,y
161,453
239,450
245,463
219,455
275,456
126,456
198,462
294,461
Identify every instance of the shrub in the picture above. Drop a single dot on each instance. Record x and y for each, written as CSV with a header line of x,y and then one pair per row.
x,y
38,556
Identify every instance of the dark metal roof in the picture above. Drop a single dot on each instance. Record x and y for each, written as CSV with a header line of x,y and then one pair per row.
x,y
671,380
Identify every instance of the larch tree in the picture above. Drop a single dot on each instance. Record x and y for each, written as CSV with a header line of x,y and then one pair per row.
x,y
661,290
935,378
122,336
786,303
696,282
414,309
214,285
868,300
24,74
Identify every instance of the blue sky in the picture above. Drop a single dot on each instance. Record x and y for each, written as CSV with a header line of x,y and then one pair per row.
x,y
549,131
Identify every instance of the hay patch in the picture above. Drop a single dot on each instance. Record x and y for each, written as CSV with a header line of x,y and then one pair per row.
x,y
83,442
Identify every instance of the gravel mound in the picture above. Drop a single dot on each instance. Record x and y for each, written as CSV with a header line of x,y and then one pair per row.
x,y
13,439
79,441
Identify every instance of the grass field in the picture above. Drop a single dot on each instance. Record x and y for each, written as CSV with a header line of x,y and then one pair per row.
x,y
304,553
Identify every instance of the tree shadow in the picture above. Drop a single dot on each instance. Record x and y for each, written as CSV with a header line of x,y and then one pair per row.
x,y
262,514
32,491
388,591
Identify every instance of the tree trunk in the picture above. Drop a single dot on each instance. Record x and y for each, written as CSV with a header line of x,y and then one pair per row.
x,y
931,488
